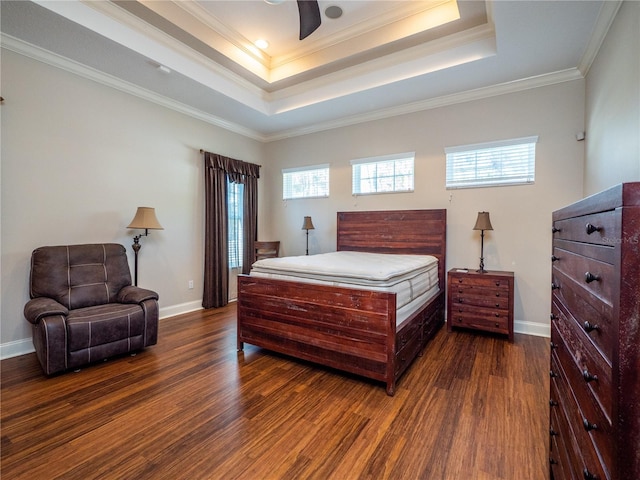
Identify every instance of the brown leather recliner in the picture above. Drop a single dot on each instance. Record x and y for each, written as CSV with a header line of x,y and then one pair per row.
x,y
83,307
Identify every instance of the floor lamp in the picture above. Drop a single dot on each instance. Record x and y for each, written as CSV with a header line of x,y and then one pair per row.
x,y
145,218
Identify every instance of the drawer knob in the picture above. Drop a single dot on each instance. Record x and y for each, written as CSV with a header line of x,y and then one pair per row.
x,y
591,277
553,316
589,327
554,286
553,403
497,284
459,280
554,258
497,325
592,228
555,229
553,433
497,315
552,374
588,426
588,377
553,345
497,305
552,461
460,300
588,475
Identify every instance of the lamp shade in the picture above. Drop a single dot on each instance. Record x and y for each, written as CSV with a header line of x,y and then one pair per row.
x,y
483,222
308,224
145,218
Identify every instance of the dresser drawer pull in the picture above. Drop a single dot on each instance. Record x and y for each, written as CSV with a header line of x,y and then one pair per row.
x,y
555,286
591,277
590,327
497,315
553,403
555,229
459,280
497,325
497,305
552,374
497,284
554,258
588,426
553,345
552,461
592,228
460,300
588,475
497,294
553,433
588,377
553,316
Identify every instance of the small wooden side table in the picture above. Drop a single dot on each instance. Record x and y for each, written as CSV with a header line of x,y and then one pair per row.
x,y
480,301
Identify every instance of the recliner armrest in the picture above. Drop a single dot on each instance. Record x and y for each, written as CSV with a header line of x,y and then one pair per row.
x,y
39,307
131,294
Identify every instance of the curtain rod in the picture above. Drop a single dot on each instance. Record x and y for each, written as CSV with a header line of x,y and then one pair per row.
x,y
202,151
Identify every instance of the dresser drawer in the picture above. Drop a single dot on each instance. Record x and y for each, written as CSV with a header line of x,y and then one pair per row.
x,y
599,228
589,374
592,275
582,451
559,457
592,314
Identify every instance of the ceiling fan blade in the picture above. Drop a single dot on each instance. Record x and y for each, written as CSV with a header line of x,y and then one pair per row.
x,y
309,17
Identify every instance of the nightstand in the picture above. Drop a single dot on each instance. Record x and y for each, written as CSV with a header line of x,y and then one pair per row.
x,y
481,301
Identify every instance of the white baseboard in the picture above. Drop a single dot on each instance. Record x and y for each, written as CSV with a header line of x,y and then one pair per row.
x,y
532,328
180,308
24,346
16,348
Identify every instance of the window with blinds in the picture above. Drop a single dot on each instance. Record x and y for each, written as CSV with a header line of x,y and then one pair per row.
x,y
305,182
389,173
235,192
507,162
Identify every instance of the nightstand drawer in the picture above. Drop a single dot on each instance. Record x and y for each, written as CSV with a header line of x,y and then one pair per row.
x,y
498,324
491,299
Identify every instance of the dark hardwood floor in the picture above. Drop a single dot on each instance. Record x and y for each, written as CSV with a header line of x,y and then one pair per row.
x,y
472,407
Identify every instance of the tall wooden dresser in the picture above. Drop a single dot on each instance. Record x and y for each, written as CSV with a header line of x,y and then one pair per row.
x,y
595,337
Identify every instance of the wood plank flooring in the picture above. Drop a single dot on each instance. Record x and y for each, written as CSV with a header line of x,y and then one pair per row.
x,y
472,407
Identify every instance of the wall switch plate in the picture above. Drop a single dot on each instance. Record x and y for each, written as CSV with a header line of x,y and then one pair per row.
x,y
190,284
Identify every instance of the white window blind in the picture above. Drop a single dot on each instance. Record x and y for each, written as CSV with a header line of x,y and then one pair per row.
x,y
389,173
235,193
507,162
305,182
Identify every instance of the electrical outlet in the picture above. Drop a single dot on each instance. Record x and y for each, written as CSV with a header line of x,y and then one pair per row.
x,y
190,284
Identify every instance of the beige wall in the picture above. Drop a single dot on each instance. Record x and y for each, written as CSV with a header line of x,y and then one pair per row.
x,y
77,159
521,215
613,105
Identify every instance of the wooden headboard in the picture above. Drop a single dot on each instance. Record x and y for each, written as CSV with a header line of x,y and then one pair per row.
x,y
415,232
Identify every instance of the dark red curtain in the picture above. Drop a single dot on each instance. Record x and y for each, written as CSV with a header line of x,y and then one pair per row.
x,y
216,256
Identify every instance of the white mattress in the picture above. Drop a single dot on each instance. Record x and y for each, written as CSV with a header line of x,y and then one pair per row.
x,y
413,278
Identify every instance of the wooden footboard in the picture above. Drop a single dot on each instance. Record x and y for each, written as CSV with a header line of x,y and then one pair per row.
x,y
347,329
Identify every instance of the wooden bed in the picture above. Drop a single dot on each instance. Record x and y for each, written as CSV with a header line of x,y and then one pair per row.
x,y
345,328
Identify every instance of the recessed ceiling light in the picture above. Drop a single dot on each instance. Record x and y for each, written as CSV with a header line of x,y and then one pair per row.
x,y
262,44
333,11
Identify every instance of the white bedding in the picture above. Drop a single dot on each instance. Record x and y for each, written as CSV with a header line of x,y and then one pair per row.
x,y
414,278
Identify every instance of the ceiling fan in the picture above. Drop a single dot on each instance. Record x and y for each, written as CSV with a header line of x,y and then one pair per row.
x,y
309,12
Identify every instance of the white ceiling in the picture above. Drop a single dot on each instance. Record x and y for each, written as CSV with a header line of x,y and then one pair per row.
x,y
380,58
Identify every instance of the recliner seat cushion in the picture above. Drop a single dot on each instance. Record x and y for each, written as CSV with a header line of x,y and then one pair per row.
x,y
103,324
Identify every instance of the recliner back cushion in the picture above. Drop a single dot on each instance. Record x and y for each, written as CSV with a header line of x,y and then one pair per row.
x,y
79,275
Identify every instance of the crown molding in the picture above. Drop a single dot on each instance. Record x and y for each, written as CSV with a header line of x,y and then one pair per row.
x,y
44,56
443,101
36,53
608,13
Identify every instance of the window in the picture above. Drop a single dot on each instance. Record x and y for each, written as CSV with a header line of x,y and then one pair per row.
x,y
305,182
508,162
390,173
235,192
